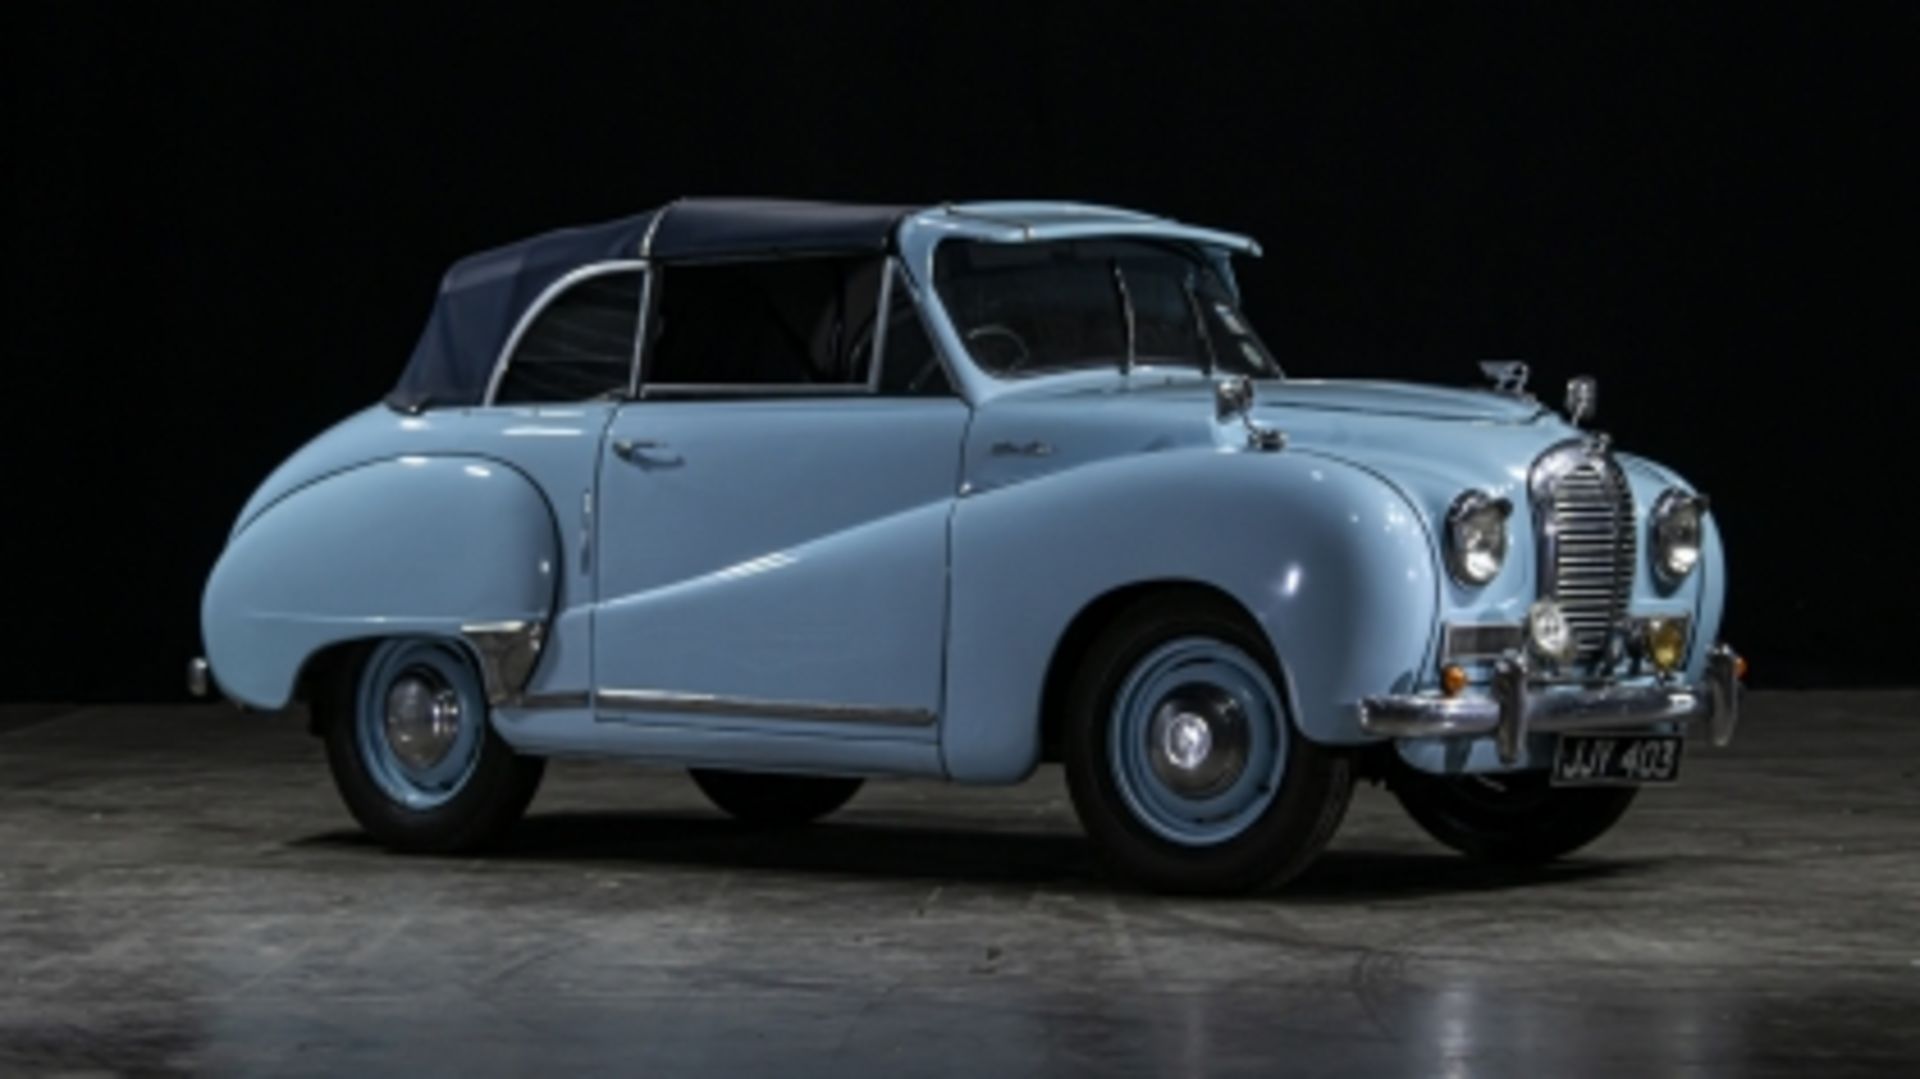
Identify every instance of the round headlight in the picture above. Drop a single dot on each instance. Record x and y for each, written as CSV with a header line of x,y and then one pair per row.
x,y
1477,537
1675,529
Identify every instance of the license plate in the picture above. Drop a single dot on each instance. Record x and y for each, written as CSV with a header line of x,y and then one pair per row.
x,y
1615,760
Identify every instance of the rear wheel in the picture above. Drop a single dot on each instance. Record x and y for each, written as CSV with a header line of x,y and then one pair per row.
x,y
412,751
1182,764
1510,817
774,798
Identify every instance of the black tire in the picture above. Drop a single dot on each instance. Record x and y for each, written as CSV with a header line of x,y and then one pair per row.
x,y
1516,818
486,804
1297,815
770,798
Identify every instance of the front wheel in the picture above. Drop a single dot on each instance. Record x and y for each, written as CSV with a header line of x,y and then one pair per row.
x,y
412,751
1181,762
1511,817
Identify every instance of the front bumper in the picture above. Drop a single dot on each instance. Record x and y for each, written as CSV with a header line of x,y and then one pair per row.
x,y
1518,706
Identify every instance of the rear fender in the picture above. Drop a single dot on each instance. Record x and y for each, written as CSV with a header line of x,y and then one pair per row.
x,y
455,546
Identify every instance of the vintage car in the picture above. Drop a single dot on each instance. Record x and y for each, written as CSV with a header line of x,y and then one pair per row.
x,y
795,494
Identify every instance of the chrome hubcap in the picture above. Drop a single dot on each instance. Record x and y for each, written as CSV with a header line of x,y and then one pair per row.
x,y
1198,740
422,720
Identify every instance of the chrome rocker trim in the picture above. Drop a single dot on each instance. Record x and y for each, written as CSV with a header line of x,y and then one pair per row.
x,y
707,704
1517,707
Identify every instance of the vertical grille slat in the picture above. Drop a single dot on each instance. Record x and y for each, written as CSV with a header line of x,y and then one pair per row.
x,y
1586,510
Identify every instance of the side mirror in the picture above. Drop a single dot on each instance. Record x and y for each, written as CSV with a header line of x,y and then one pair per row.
x,y
1232,397
1583,396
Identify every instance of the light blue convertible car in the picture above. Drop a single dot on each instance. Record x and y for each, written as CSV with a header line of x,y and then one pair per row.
x,y
794,494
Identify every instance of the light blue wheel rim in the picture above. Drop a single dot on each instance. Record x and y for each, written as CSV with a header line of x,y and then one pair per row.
x,y
1197,669
445,671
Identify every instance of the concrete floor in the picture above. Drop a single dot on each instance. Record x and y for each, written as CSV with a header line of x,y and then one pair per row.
x,y
180,893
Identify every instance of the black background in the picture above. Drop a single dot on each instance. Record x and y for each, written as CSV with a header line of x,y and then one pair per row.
x,y
224,226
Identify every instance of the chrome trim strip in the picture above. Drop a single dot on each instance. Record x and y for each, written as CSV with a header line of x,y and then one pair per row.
x,y
877,354
640,328
655,391
539,304
537,702
708,704
646,241
507,651
1025,228
1127,318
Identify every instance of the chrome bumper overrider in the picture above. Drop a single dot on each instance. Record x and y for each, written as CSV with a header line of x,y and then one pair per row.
x,y
199,677
1518,706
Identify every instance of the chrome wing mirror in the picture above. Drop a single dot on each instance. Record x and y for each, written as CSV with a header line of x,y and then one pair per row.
x,y
1234,397
1583,396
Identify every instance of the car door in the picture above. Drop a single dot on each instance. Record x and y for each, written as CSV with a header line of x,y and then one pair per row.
x,y
773,526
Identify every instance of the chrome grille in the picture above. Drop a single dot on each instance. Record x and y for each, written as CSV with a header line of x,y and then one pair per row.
x,y
1586,514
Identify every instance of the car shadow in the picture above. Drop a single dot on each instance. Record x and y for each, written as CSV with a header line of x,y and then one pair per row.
x,y
1059,861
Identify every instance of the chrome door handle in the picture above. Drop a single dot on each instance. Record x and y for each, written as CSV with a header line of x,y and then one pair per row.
x,y
641,451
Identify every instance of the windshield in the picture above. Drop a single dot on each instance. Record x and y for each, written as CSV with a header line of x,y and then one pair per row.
x,y
1036,308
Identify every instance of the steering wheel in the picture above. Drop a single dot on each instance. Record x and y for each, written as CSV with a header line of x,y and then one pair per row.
x,y
1001,329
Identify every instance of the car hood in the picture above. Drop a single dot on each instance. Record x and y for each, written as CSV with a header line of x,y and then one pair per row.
x,y
1430,442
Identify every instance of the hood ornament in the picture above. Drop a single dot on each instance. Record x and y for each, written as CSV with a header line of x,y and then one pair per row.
x,y
1583,396
1233,397
1509,376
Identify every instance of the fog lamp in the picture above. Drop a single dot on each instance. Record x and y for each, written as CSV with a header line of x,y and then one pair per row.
x,y
1666,642
1549,631
1453,679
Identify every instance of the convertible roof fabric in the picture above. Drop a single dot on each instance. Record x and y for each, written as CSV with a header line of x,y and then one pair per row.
x,y
483,296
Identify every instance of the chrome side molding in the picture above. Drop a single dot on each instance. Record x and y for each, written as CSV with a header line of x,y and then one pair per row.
x,y
708,704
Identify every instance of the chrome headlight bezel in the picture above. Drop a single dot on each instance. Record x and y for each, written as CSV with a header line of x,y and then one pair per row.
x,y
1676,532
1477,537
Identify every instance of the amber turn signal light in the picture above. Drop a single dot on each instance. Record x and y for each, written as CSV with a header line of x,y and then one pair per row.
x,y
1453,679
1740,668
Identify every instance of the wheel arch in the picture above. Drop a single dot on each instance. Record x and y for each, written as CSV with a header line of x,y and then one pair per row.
x,y
331,661
1071,648
1327,560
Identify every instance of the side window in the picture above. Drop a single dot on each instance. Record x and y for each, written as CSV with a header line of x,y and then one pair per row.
x,y
792,322
580,346
910,367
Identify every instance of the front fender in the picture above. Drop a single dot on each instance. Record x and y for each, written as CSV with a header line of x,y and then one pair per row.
x,y
414,545
1333,563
